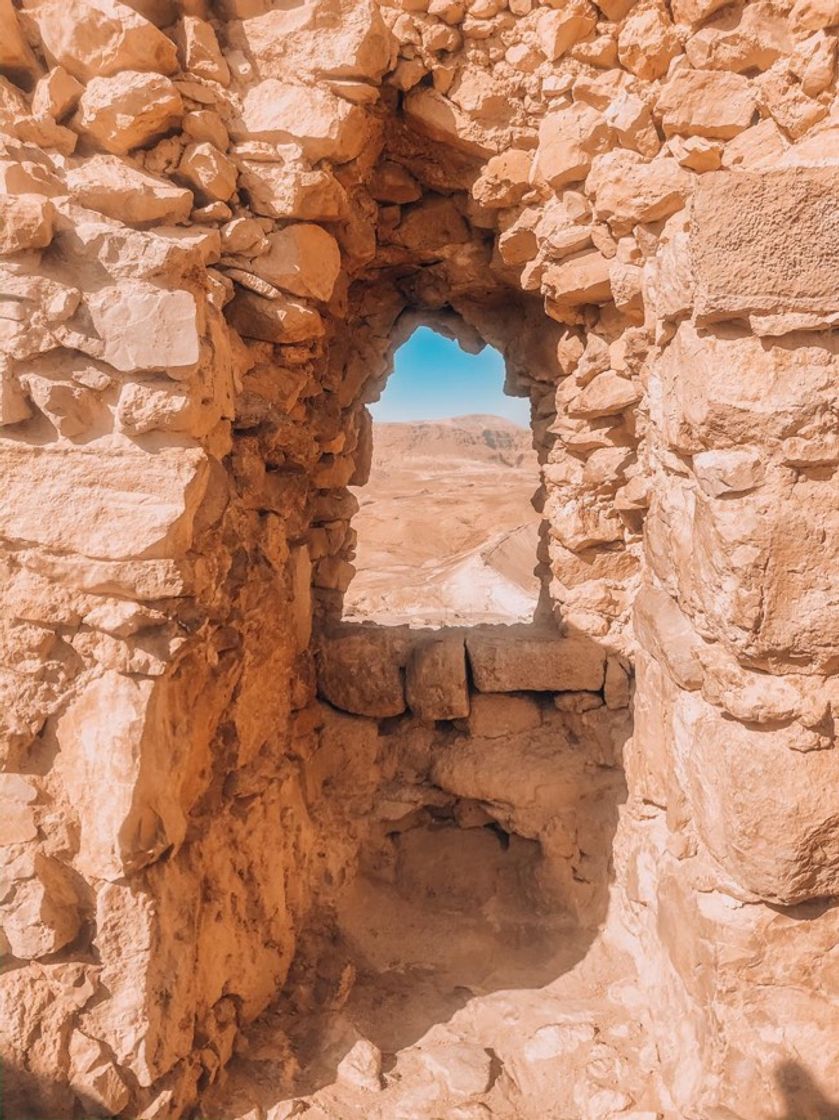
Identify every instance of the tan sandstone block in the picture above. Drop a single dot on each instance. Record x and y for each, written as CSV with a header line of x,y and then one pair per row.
x,y
42,914
325,126
360,671
442,120
628,188
568,139
209,171
274,320
91,38
765,247
706,103
647,41
113,506
16,57
581,278
302,259
435,680
279,190
494,716
125,111
146,328
557,30
757,805
114,187
666,633
199,50
26,222
323,38
56,94
515,660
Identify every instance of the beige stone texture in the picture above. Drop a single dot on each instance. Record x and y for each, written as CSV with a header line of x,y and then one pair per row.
x,y
127,110
323,125
773,263
100,38
26,222
112,186
435,679
541,663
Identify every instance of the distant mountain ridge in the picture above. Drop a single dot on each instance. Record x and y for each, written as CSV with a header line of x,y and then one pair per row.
x,y
447,534
478,437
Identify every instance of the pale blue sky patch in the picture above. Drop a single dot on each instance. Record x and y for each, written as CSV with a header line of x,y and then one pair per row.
x,y
434,379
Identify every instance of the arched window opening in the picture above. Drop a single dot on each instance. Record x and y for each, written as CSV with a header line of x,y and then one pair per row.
x,y
446,532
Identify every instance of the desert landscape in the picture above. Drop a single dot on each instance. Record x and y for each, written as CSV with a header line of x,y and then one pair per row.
x,y
447,534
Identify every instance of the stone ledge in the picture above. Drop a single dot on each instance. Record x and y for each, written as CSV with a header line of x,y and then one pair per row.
x,y
381,671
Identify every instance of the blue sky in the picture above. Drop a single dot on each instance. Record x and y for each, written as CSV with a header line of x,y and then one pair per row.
x,y
433,379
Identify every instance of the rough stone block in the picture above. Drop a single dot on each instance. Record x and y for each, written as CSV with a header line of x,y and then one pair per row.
x,y
765,247
323,38
499,716
110,506
518,660
361,670
93,38
145,327
325,126
127,110
436,684
113,187
758,805
26,222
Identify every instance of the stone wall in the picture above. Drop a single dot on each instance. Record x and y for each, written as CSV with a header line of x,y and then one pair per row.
x,y
218,219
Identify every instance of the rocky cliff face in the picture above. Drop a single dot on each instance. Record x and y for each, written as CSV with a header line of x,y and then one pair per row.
x,y
218,221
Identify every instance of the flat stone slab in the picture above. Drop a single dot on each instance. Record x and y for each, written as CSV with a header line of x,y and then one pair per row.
x,y
514,661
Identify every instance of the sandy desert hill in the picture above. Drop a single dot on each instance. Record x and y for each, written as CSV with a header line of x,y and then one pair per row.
x,y
446,531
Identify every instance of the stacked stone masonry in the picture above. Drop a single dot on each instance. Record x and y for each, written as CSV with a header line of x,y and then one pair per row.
x,y
218,218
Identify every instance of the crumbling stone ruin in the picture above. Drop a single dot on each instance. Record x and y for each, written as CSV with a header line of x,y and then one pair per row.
x,y
260,863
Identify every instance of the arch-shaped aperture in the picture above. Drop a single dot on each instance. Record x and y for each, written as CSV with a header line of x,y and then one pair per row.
x,y
446,530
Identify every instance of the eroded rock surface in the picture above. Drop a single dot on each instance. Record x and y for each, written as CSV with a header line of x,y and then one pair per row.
x,y
257,864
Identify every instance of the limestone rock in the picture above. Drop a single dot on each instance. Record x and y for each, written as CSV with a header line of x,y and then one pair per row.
x,y
94,1076
130,508
113,187
208,171
100,38
274,320
559,29
361,1067
26,222
779,270
647,42
509,662
324,126
127,110
323,38
145,327
16,57
706,103
568,140
56,94
278,190
360,674
302,259
199,50
628,189
498,716
435,680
